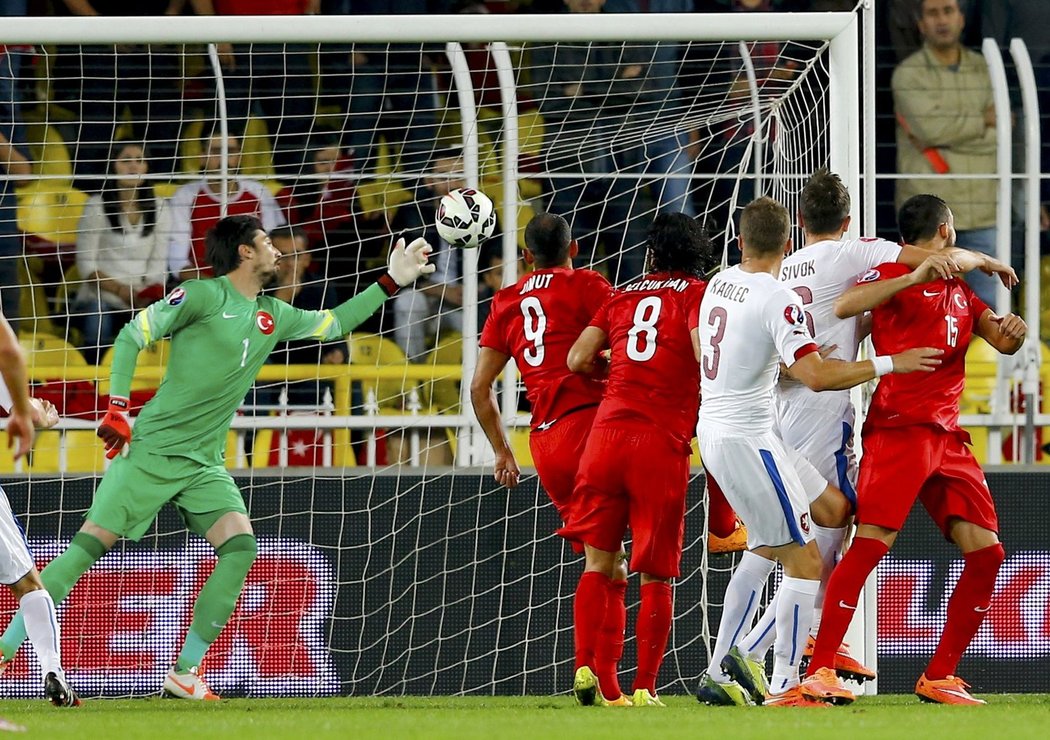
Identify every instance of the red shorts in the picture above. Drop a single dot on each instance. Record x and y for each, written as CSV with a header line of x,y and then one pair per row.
x,y
556,453
901,464
638,478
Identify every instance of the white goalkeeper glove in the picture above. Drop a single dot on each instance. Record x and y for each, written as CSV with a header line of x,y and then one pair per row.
x,y
408,264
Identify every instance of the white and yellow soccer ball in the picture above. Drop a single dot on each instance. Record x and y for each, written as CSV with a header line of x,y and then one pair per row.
x,y
465,218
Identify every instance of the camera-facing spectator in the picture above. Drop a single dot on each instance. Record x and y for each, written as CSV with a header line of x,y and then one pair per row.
x,y
122,249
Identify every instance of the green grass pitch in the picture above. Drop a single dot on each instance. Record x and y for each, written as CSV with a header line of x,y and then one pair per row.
x,y
499,718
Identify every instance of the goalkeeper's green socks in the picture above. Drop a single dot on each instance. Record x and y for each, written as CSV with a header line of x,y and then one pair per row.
x,y
59,577
217,598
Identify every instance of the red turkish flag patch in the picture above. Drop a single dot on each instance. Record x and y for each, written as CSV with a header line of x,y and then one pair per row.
x,y
264,321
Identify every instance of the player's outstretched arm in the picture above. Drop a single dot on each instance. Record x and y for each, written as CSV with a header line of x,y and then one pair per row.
x,y
482,395
965,260
834,375
1005,333
585,355
867,295
13,371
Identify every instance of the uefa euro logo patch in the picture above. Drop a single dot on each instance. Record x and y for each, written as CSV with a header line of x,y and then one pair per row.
x,y
176,297
264,321
793,315
869,277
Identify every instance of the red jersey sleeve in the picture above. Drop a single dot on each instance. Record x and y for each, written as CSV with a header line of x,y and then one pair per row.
x,y
494,334
597,290
693,306
600,320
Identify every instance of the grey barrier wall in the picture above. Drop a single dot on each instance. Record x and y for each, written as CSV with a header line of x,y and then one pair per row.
x,y
448,584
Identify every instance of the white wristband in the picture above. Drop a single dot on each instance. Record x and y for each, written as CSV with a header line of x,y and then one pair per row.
x,y
883,365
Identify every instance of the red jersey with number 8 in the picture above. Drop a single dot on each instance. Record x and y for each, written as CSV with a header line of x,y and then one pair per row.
x,y
942,314
536,321
654,378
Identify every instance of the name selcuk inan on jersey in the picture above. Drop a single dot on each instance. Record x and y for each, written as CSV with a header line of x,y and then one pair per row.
x,y
674,283
729,291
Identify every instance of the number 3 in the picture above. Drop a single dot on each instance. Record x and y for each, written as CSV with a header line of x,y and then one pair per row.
x,y
717,321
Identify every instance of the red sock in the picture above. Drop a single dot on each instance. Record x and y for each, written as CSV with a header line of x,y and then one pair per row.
x,y
589,614
844,587
609,650
721,519
966,609
654,625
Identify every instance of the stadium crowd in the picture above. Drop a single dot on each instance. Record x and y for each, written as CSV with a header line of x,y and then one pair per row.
x,y
131,119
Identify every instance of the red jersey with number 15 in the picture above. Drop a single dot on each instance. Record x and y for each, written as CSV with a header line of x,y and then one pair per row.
x,y
654,378
942,314
536,321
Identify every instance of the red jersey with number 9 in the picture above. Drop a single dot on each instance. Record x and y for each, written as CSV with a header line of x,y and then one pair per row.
x,y
654,377
536,321
942,314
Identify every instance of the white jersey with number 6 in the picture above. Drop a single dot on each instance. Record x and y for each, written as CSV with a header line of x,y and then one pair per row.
x,y
748,321
820,273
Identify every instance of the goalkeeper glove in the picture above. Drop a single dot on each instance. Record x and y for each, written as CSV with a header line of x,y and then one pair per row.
x,y
115,430
406,265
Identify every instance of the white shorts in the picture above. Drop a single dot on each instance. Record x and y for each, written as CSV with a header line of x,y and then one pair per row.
x,y
767,483
824,436
15,559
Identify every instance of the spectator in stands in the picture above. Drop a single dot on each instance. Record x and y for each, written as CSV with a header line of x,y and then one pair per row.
x,y
431,306
274,81
14,162
322,204
946,125
387,89
97,83
196,207
298,285
122,250
585,91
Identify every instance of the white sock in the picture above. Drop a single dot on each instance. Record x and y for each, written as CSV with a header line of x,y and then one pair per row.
x,y
794,615
829,541
756,643
42,627
741,602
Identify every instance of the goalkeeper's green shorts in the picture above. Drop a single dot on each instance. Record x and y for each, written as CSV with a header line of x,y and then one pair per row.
x,y
136,487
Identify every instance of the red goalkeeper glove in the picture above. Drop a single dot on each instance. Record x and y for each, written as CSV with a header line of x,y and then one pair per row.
x,y
115,430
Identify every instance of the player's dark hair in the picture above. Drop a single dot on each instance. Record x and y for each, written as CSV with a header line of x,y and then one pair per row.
x,y
920,216
678,243
765,226
223,239
824,204
548,237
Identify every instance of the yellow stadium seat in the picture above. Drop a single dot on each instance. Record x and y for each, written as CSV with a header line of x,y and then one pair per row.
x,y
46,350
443,393
48,152
256,151
519,445
50,209
381,196
371,350
154,356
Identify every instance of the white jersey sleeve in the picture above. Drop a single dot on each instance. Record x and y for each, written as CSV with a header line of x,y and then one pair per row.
x,y
785,321
867,253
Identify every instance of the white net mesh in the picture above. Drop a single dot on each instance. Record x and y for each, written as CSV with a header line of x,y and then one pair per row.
x,y
424,578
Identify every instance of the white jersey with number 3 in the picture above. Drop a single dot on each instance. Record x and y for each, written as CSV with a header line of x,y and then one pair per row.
x,y
819,274
748,323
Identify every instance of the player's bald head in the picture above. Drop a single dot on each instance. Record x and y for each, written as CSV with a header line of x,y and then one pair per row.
x,y
549,238
765,227
921,216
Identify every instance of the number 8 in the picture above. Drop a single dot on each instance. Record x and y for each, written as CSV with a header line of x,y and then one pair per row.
x,y
645,316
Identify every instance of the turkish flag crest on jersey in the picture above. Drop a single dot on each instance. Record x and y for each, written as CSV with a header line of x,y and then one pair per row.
x,y
264,321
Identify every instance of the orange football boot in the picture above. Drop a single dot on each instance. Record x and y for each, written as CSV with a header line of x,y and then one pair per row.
x,y
825,685
950,690
845,664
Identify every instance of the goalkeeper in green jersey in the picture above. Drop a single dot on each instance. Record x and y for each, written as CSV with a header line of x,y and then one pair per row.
x,y
222,330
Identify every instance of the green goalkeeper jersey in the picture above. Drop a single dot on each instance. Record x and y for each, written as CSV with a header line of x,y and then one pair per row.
x,y
219,340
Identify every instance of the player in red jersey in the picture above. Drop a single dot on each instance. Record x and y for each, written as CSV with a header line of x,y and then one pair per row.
x,y
536,321
915,448
635,467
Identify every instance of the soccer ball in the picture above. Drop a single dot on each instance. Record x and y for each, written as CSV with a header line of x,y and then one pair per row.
x,y
465,218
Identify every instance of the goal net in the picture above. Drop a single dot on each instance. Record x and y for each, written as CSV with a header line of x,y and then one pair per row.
x,y
389,560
